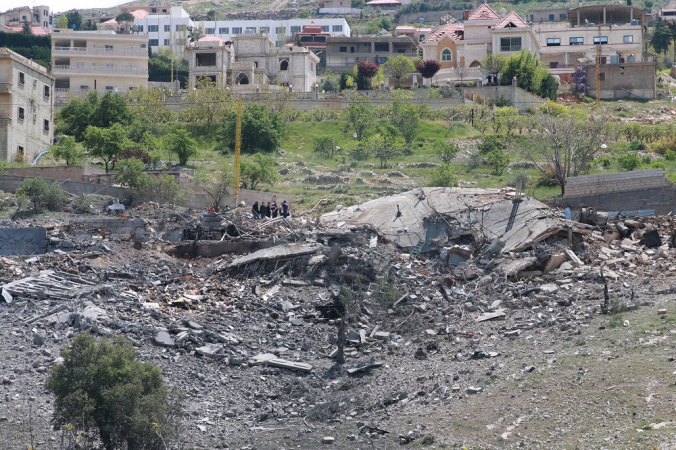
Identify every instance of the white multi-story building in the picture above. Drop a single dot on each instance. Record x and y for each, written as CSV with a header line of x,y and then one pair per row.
x,y
38,16
171,30
99,60
26,108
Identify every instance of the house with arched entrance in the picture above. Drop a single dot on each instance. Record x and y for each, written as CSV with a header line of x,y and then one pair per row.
x,y
460,47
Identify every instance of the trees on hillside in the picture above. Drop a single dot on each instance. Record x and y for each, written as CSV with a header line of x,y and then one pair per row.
x,y
494,63
106,143
216,183
359,115
398,67
74,19
531,74
94,110
256,169
428,68
261,129
367,69
179,143
68,150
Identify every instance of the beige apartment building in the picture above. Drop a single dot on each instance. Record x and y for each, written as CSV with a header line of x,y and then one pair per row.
x,y
26,108
98,60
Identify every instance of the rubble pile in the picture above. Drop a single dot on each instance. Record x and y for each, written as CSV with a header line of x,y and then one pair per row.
x,y
255,337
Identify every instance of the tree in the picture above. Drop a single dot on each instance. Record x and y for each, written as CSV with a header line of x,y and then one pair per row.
x,y
428,68
256,169
106,143
208,103
446,151
181,144
462,72
367,69
147,105
26,28
564,145
68,150
406,119
124,17
130,174
384,145
398,67
93,110
74,19
62,21
531,74
261,129
304,14
216,184
211,14
360,116
103,388
324,146
494,63
165,189
662,37
42,194
442,176
112,108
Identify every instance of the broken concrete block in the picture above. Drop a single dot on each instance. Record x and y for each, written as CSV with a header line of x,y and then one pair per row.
x,y
381,335
489,316
164,339
328,440
549,288
364,368
555,262
291,365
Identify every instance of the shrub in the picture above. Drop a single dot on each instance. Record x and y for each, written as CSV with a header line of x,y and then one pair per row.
x,y
497,160
82,205
442,176
42,194
102,389
658,165
629,161
448,91
637,145
605,162
670,155
646,159
546,178
664,145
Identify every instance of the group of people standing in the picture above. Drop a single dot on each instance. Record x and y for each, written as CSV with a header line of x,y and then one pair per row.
x,y
270,210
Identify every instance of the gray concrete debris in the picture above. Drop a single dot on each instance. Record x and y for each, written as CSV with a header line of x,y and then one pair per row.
x,y
277,253
164,339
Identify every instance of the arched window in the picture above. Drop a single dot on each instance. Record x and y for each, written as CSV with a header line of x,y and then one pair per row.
x,y
284,65
242,79
475,63
446,55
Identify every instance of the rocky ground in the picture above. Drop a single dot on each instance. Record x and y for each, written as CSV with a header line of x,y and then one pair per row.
x,y
493,353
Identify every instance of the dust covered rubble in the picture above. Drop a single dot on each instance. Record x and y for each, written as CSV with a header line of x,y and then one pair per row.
x,y
252,342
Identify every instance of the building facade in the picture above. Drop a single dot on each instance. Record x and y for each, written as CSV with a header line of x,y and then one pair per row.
x,y
37,16
209,58
26,108
615,31
342,53
172,30
98,60
630,81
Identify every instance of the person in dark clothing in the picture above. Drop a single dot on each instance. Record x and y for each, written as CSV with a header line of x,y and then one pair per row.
x,y
264,210
268,211
285,209
273,210
255,209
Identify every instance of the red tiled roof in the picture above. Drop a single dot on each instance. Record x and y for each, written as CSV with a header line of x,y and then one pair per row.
x,y
209,39
139,13
484,12
447,30
514,19
37,31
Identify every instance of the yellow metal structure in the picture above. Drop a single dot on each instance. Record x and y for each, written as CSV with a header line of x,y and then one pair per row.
x,y
238,147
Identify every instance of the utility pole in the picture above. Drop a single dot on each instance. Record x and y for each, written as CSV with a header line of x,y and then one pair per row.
x,y
238,146
598,75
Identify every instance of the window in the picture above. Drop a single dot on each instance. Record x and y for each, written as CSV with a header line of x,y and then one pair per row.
x,y
109,48
140,28
166,42
153,28
284,65
84,88
45,125
19,151
110,66
22,78
510,44
446,55
325,28
132,67
382,46
205,59
211,30
342,49
180,27
602,76
600,40
627,39
250,30
337,28
167,28
154,42
109,88
576,41
551,17
281,30
225,30
295,30
46,91
236,30
264,29
553,42
22,113
79,65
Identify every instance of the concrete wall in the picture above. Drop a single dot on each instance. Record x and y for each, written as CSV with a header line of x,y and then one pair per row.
x,y
112,228
518,98
23,241
635,80
624,191
9,183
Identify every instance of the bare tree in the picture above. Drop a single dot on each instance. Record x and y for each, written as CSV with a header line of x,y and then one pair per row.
x,y
462,72
563,145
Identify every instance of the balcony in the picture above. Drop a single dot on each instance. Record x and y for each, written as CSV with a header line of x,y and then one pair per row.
x,y
87,69
98,51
